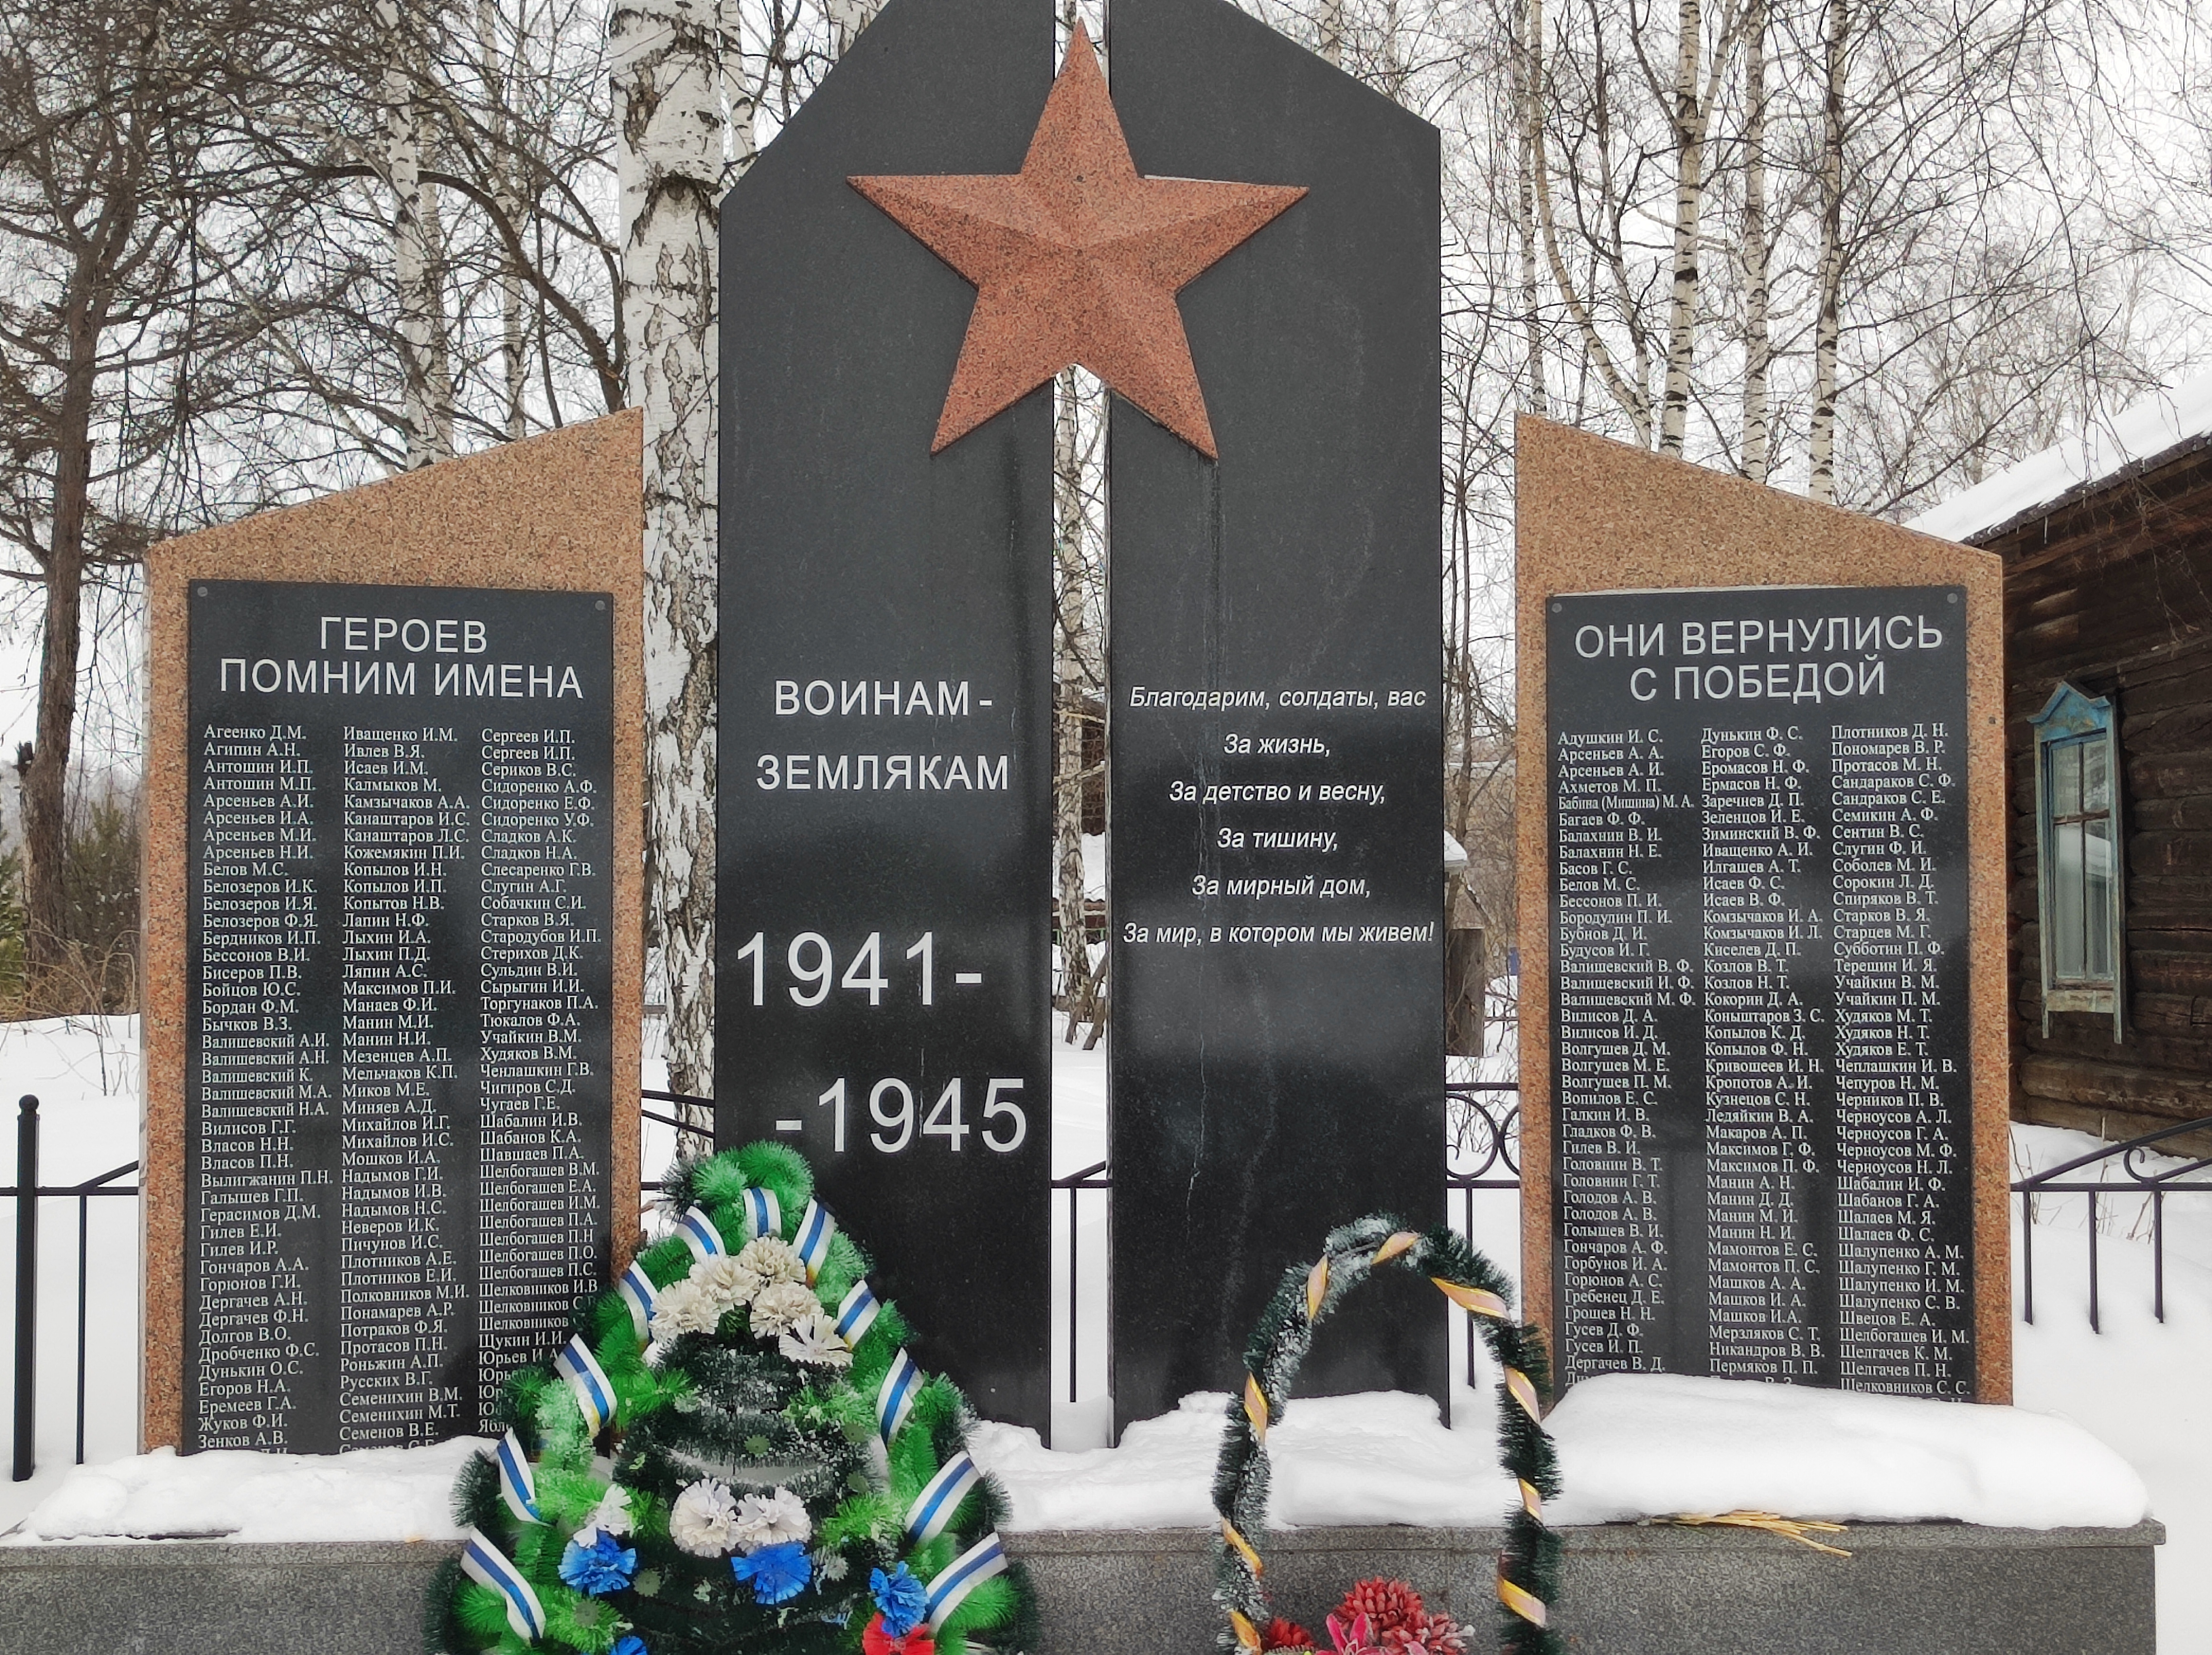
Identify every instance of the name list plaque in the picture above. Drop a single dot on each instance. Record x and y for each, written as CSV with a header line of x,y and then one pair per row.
x,y
1758,1012
398,1057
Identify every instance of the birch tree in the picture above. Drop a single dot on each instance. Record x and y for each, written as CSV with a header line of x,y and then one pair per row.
x,y
1079,594
1754,252
666,61
1820,481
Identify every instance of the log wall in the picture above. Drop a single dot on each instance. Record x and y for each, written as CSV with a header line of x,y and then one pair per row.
x,y
2114,593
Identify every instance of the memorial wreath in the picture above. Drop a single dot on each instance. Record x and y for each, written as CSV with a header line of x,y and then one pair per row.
x,y
735,1453
1386,1617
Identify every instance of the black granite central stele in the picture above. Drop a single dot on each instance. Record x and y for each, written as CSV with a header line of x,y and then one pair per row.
x,y
884,953
1277,728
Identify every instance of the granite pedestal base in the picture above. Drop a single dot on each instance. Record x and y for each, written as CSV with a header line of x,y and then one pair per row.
x,y
1647,1590
1628,1591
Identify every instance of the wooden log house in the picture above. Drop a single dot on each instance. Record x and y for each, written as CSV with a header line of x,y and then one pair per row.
x,y
2107,548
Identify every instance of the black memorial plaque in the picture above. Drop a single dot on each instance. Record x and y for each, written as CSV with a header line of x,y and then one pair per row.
x,y
1759,987
398,1086
883,943
1277,806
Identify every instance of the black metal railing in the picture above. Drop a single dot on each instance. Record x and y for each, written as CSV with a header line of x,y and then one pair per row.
x,y
25,1458
2137,1179
1483,1153
1095,1177
1484,1141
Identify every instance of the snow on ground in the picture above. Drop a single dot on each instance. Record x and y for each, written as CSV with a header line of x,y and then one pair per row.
x,y
84,1072
2138,1387
2142,1385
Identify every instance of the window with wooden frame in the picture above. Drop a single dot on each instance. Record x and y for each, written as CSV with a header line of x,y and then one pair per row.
x,y
2079,881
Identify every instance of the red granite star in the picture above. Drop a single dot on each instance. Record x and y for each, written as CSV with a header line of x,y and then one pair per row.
x,y
1077,260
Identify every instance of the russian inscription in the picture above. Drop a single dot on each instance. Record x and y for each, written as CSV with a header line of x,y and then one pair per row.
x,y
398,1086
1759,1015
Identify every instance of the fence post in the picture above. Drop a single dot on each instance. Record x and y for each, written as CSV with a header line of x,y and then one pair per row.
x,y
27,1287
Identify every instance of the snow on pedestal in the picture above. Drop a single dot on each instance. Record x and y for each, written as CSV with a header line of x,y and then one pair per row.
x,y
1384,1456
375,1494
1650,1444
1631,1446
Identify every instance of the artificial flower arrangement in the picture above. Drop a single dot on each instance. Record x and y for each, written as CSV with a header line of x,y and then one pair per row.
x,y
735,1453
1377,1617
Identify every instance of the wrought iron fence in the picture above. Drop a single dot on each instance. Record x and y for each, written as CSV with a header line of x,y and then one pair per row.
x,y
29,1196
2138,1178
1483,1153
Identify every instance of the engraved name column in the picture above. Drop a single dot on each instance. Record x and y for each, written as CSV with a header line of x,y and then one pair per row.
x,y
1901,1102
1765,1175
543,896
1622,972
256,1275
402,1246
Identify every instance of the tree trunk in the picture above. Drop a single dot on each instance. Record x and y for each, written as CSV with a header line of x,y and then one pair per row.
x,y
1079,989
1689,118
846,18
1758,346
1331,24
1528,109
44,770
413,264
668,94
1632,399
499,89
1821,485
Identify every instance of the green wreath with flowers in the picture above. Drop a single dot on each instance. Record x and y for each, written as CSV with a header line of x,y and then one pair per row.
x,y
734,1454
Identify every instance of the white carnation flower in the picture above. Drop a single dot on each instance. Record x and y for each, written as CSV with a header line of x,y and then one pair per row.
x,y
779,1307
813,1339
611,1515
726,1280
772,1520
704,1520
772,1260
683,1308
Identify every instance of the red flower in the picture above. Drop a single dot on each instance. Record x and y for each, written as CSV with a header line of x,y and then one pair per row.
x,y
1435,1635
1286,1635
877,1641
1391,1605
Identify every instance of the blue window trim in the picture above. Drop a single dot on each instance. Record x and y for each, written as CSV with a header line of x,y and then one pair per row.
x,y
2070,715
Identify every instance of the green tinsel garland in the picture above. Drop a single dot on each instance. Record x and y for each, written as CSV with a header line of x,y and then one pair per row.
x,y
729,1406
1529,1568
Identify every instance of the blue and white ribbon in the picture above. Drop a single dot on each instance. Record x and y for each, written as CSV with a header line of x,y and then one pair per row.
x,y
816,1227
764,1213
595,1395
640,1296
982,1561
700,1234
894,1397
488,1565
933,1506
516,1485
858,1313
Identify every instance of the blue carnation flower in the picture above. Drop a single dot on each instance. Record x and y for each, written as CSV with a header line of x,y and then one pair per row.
x,y
779,1572
899,1598
630,1646
605,1565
